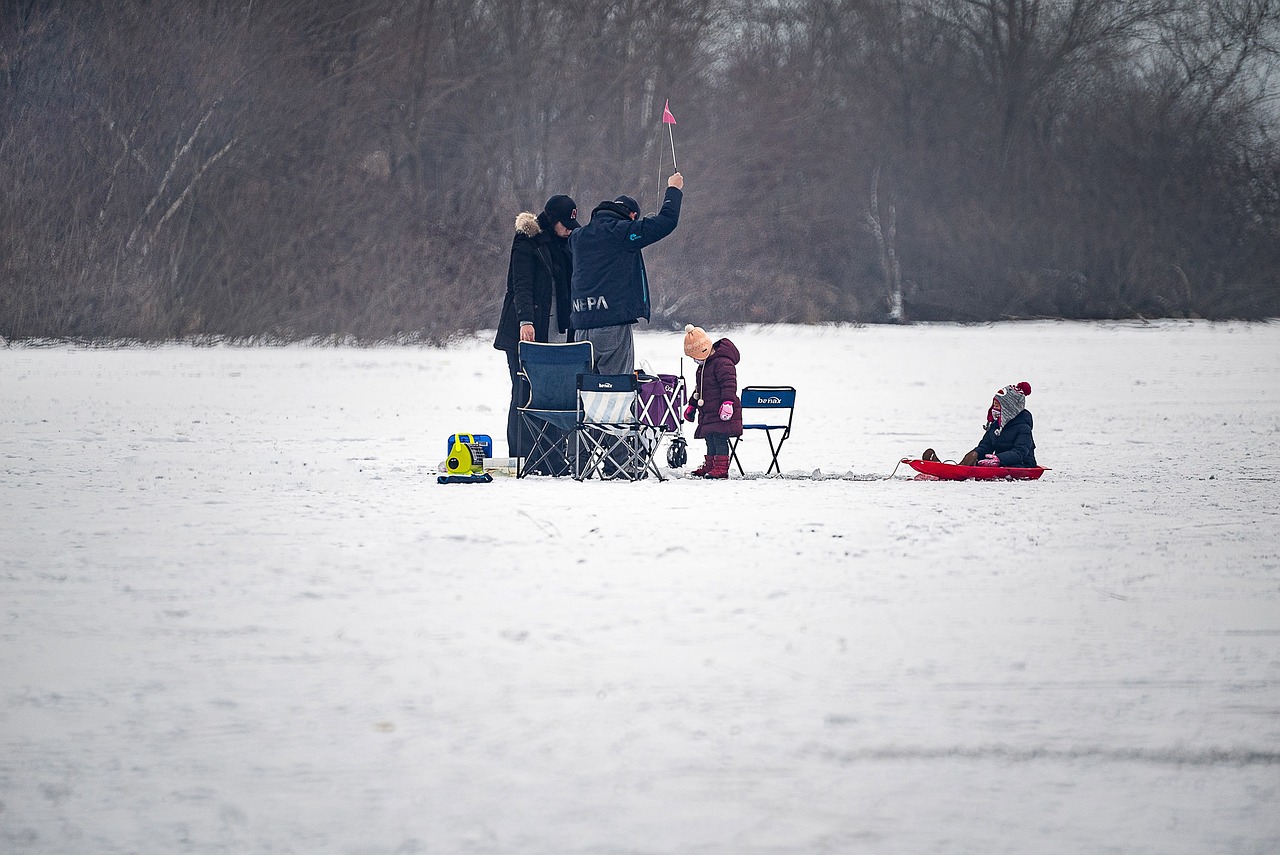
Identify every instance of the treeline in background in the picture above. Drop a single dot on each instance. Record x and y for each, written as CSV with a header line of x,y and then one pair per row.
x,y
300,168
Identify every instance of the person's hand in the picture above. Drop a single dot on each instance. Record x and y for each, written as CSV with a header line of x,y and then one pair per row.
x,y
526,332
969,459
676,180
726,411
690,411
989,460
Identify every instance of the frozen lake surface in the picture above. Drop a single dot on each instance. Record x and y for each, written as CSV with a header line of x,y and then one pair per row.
x,y
237,614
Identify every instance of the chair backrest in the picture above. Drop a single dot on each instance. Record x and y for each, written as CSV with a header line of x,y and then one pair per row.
x,y
772,406
552,371
607,399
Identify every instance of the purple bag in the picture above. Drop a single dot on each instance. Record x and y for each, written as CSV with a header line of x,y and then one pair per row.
x,y
661,401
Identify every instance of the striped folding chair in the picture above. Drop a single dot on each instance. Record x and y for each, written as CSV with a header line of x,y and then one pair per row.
x,y
614,443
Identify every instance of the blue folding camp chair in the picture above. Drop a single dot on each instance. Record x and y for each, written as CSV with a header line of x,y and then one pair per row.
x,y
766,408
551,413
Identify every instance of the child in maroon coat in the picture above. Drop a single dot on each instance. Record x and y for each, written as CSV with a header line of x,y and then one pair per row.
x,y
715,402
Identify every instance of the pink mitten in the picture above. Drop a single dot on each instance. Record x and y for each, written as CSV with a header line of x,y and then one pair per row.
x,y
726,411
989,460
690,411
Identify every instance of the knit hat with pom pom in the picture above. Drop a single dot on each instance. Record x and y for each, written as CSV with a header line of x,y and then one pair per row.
x,y
697,344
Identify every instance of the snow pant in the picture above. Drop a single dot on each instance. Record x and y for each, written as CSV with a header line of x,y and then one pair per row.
x,y
614,348
519,439
717,445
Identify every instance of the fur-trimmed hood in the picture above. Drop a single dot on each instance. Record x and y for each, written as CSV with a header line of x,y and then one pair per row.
x,y
527,224
538,278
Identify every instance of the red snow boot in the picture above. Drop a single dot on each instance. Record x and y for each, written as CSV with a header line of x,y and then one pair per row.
x,y
701,471
719,467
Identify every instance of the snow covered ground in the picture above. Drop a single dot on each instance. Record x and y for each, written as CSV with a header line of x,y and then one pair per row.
x,y
237,614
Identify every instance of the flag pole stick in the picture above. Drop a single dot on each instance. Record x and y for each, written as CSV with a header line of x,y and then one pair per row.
x,y
669,120
659,170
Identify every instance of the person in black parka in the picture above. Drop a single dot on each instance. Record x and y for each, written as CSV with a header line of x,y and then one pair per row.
x,y
536,304
1007,439
715,402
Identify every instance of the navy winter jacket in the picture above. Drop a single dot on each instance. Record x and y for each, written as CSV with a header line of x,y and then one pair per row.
x,y
1014,446
609,286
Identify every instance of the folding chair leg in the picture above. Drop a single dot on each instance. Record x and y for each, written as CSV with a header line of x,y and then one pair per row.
x,y
648,446
627,457
576,463
733,453
596,456
774,451
549,449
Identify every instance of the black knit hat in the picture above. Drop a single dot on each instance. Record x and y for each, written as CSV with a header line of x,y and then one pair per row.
x,y
630,204
563,210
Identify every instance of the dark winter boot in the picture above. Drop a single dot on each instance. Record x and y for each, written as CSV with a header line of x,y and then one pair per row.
x,y
701,471
930,456
719,467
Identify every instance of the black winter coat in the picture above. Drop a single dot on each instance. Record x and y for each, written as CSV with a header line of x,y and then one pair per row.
x,y
540,267
1014,446
610,285
716,382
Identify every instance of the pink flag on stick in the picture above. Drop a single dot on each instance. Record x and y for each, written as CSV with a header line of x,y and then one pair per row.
x,y
669,120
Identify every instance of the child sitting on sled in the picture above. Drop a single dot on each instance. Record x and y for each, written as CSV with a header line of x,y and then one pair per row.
x,y
1007,439
715,402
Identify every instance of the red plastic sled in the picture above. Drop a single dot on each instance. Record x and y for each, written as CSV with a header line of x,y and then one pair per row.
x,y
956,472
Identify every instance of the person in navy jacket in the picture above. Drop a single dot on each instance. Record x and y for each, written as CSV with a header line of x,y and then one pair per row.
x,y
1007,440
609,291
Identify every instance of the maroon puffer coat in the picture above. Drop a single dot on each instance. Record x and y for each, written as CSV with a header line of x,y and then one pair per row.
x,y
715,383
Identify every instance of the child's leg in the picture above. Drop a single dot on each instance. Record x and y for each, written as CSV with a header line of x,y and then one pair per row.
x,y
718,456
706,462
